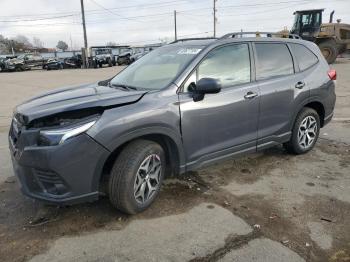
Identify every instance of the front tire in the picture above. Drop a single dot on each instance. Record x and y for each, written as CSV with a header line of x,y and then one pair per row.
x,y
305,132
136,176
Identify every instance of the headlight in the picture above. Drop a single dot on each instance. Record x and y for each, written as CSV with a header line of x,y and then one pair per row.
x,y
58,136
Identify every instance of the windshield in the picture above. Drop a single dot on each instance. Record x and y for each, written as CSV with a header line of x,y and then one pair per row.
x,y
295,27
124,50
102,51
157,69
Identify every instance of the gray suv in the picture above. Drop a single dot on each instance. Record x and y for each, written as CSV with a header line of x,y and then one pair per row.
x,y
183,106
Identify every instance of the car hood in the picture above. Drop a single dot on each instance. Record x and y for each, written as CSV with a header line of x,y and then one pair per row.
x,y
101,56
15,61
75,98
124,54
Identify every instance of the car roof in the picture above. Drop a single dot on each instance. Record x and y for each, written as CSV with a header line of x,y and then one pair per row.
x,y
213,41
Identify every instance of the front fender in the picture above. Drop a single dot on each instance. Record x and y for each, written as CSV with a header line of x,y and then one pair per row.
x,y
154,130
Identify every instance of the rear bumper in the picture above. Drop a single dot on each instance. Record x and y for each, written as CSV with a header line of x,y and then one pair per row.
x,y
63,174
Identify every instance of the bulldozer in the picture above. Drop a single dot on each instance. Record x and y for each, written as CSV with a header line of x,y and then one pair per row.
x,y
332,38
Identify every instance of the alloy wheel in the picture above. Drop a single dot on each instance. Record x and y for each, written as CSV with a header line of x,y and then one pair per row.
x,y
307,132
147,178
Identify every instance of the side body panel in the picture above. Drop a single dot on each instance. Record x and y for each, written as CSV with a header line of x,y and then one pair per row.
x,y
156,113
220,124
278,98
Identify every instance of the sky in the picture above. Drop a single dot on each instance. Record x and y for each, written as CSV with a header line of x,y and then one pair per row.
x,y
137,22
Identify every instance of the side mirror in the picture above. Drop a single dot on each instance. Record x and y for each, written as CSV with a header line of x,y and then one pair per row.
x,y
206,86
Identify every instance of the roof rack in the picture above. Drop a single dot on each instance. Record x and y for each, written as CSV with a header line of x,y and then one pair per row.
x,y
259,34
190,39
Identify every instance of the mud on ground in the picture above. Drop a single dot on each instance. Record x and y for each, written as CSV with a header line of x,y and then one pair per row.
x,y
300,201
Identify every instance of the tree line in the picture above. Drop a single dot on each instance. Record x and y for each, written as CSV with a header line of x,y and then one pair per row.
x,y
21,43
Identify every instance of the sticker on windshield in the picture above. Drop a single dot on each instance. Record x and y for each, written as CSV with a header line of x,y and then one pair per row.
x,y
189,51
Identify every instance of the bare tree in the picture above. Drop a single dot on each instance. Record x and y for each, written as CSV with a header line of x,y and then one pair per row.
x,y
111,43
62,45
164,40
37,42
22,39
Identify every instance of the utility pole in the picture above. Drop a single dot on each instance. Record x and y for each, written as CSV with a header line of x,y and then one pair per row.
x,y
214,13
13,51
175,25
85,38
71,42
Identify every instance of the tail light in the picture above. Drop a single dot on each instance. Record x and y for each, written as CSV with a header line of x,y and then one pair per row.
x,y
332,74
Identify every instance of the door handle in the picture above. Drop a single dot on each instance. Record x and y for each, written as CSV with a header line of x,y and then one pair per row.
x,y
250,95
300,85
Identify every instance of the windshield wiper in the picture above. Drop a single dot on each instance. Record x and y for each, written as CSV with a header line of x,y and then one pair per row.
x,y
124,87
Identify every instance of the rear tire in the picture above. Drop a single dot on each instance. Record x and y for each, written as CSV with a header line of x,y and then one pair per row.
x,y
305,132
329,50
134,184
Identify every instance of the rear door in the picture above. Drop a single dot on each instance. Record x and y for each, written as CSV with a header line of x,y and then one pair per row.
x,y
37,60
223,123
279,88
29,60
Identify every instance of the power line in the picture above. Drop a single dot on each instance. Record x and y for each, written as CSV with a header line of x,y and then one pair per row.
x,y
97,10
169,13
108,10
146,5
37,19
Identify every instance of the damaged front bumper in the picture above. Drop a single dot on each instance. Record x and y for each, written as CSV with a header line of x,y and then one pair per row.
x,y
68,173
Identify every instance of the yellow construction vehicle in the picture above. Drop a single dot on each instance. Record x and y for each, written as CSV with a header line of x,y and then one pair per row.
x,y
332,38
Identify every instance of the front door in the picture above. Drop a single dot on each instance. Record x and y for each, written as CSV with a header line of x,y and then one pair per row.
x,y
225,123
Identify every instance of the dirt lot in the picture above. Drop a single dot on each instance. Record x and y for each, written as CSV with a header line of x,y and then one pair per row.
x,y
269,206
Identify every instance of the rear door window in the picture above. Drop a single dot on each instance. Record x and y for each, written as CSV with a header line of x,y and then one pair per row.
x,y
273,60
304,56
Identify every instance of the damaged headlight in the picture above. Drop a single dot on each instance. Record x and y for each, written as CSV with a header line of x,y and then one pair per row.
x,y
58,136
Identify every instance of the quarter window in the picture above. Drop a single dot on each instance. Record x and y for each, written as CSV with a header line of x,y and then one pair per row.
x,y
304,56
274,60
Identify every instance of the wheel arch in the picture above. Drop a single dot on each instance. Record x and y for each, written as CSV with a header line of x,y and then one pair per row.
x,y
319,40
314,104
172,146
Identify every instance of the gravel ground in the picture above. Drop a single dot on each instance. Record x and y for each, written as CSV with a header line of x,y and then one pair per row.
x,y
269,206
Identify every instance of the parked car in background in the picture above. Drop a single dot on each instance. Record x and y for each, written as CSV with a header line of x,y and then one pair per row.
x,y
102,56
2,64
53,63
138,55
183,106
71,62
124,58
25,62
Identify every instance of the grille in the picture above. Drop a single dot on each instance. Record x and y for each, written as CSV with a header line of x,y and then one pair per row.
x,y
48,177
51,182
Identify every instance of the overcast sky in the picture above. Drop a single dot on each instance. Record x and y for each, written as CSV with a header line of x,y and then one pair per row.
x,y
138,22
